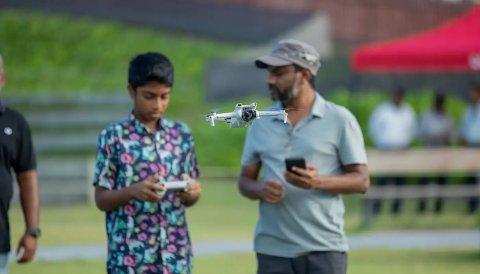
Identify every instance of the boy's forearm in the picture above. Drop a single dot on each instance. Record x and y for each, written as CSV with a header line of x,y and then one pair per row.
x,y
107,200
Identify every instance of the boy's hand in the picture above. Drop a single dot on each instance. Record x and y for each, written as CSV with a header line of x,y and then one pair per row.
x,y
149,189
192,193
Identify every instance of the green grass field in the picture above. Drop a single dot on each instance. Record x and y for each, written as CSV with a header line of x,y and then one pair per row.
x,y
447,261
222,214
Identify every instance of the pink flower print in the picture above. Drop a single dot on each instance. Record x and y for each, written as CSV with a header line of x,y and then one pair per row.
x,y
142,237
169,147
129,210
167,137
161,170
125,158
172,238
153,269
182,232
128,260
143,226
153,167
143,174
154,219
134,137
175,132
166,270
172,248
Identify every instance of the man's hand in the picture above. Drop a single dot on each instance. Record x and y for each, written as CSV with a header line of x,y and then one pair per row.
x,y
272,191
148,190
305,178
29,245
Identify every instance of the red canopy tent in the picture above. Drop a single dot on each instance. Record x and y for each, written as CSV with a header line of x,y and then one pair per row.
x,y
452,47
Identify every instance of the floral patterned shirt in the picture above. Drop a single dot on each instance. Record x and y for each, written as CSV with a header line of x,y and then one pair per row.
x,y
146,237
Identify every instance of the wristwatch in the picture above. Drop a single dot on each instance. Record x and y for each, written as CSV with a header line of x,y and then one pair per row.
x,y
35,232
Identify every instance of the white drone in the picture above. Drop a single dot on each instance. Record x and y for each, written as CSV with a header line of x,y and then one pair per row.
x,y
243,115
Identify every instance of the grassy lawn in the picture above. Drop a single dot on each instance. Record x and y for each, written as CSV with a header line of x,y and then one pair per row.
x,y
222,214
465,261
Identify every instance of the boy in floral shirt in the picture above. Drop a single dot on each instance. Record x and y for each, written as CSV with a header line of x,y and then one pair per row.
x,y
146,226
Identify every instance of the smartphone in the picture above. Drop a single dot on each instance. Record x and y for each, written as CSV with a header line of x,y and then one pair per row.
x,y
298,162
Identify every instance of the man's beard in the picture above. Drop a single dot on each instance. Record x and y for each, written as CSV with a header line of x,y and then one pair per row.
x,y
284,95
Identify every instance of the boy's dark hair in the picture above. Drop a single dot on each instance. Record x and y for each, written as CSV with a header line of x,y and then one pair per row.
x,y
150,66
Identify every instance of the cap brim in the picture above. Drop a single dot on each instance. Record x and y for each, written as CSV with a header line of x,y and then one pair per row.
x,y
271,61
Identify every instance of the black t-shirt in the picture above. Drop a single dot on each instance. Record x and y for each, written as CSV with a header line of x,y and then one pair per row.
x,y
16,152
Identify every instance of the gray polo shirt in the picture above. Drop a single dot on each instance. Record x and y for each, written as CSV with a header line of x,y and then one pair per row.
x,y
305,220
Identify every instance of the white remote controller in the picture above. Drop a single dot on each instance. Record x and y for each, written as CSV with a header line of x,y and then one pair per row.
x,y
177,185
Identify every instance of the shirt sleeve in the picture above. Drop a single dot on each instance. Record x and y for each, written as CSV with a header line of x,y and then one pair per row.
x,y
249,154
105,168
351,146
25,159
191,164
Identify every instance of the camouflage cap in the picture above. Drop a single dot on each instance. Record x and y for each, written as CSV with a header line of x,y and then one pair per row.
x,y
287,52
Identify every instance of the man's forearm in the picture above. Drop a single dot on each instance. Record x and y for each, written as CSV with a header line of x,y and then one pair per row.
x,y
249,188
29,197
344,184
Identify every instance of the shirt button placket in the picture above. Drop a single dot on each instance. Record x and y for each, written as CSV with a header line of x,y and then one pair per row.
x,y
290,140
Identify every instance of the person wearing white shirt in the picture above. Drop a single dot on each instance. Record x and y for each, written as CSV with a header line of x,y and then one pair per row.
x,y
436,129
392,126
470,134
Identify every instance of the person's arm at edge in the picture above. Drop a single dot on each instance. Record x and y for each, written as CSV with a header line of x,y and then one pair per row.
x,y
248,184
30,202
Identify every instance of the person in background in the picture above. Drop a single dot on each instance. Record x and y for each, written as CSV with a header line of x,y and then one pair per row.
x,y
437,129
17,154
146,225
300,224
392,126
470,135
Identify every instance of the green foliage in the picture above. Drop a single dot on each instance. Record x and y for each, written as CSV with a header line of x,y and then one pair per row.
x,y
52,53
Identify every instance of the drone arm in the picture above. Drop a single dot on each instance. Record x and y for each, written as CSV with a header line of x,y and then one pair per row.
x,y
212,121
269,113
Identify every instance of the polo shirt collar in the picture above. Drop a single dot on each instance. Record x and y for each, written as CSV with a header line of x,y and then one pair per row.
x,y
319,106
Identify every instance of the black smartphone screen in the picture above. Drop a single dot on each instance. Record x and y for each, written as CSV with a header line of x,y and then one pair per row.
x,y
298,162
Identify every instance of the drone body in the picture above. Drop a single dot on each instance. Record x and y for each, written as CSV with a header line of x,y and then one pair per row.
x,y
243,115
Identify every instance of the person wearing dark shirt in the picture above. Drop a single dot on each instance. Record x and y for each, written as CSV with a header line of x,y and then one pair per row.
x,y
17,154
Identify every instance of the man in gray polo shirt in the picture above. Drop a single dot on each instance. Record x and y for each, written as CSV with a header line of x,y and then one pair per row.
x,y
300,225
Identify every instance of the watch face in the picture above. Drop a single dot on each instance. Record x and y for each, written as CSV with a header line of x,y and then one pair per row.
x,y
35,232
